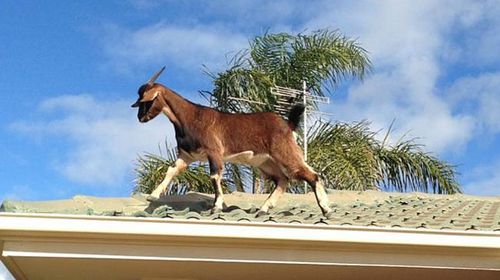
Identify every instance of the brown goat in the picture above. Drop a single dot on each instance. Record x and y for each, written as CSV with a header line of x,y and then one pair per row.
x,y
262,140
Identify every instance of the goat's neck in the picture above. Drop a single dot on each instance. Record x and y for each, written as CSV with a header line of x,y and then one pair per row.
x,y
176,107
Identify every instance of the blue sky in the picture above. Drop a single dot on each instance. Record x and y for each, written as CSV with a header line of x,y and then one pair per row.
x,y
70,69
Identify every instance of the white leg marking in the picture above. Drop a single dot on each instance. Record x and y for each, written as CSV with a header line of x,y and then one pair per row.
x,y
179,166
322,197
275,195
219,197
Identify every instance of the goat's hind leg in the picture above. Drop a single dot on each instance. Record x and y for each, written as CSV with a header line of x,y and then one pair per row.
x,y
179,166
272,200
307,174
272,171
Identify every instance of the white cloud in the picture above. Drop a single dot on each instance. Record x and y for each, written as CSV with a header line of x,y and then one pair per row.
x,y
484,180
4,273
187,47
384,98
482,26
204,33
104,137
479,96
408,44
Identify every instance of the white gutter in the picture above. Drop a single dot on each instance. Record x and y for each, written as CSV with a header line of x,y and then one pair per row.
x,y
56,224
69,236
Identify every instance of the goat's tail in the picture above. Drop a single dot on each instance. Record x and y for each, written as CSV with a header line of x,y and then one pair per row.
x,y
294,116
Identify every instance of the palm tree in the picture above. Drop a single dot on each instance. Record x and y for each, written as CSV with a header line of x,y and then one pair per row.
x,y
348,156
323,58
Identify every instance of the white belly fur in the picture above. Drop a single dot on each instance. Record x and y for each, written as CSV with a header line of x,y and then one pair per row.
x,y
247,157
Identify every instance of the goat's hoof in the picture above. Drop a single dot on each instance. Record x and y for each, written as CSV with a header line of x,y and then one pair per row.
x,y
328,215
252,210
151,198
215,210
261,213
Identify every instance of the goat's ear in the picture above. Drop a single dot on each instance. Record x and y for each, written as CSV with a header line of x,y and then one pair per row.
x,y
136,104
150,95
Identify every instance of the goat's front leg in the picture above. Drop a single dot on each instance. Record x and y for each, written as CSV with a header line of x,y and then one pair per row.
x,y
179,166
216,166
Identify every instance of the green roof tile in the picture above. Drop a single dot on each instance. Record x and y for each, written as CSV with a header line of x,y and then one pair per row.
x,y
370,208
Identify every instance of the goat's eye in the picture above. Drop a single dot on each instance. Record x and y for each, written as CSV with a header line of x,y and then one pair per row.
x,y
147,105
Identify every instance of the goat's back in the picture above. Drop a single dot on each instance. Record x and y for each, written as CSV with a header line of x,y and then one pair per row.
x,y
257,132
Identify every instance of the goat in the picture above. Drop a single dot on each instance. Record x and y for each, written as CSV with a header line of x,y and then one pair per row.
x,y
263,140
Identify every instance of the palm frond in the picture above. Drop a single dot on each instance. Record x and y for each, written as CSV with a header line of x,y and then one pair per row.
x,y
237,84
238,176
151,169
343,155
407,167
349,157
271,54
325,58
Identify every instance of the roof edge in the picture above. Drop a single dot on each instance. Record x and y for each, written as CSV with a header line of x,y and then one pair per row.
x,y
124,238
58,224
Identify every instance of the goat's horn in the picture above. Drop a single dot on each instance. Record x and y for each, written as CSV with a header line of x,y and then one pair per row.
x,y
155,76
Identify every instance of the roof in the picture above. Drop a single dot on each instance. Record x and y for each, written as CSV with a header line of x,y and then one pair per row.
x,y
56,246
369,208
373,235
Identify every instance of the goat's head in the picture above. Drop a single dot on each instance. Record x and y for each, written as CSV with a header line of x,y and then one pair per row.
x,y
148,103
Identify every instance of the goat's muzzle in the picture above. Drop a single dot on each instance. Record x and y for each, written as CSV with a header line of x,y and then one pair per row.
x,y
144,112
144,118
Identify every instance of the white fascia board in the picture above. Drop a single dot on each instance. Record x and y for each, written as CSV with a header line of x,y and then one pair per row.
x,y
125,238
68,225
